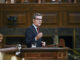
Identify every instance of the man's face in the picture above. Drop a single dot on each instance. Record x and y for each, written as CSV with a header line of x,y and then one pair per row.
x,y
37,21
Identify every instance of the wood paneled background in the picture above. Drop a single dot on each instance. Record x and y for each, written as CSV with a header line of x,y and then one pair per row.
x,y
54,15
63,17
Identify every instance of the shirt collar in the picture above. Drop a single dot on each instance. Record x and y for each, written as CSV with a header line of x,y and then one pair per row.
x,y
35,26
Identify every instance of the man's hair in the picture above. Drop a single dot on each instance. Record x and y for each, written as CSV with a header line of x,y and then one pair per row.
x,y
36,14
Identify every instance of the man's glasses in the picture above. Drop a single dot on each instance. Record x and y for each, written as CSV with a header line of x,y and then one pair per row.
x,y
38,19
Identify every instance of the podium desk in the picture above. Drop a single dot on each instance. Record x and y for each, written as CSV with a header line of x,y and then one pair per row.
x,y
43,53
50,53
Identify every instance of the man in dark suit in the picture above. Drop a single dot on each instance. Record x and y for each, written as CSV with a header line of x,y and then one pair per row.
x,y
33,36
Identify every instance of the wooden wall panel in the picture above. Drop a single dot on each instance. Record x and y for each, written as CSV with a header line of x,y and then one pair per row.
x,y
74,18
21,20
50,19
55,15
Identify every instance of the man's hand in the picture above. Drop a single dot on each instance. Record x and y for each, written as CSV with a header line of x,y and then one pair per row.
x,y
43,44
39,36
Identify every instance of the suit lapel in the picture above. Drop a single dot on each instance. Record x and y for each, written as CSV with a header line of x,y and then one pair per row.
x,y
34,30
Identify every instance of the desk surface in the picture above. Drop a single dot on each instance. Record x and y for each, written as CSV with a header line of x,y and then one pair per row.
x,y
11,49
50,49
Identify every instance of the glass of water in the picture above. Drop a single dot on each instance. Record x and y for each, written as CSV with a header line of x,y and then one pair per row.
x,y
33,45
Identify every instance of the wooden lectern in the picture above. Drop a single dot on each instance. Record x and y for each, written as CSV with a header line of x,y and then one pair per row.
x,y
50,53
45,53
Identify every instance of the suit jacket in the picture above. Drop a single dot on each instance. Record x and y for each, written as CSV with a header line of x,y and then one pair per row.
x,y
30,35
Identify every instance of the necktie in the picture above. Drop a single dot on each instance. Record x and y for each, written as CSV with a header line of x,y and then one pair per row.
x,y
38,30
